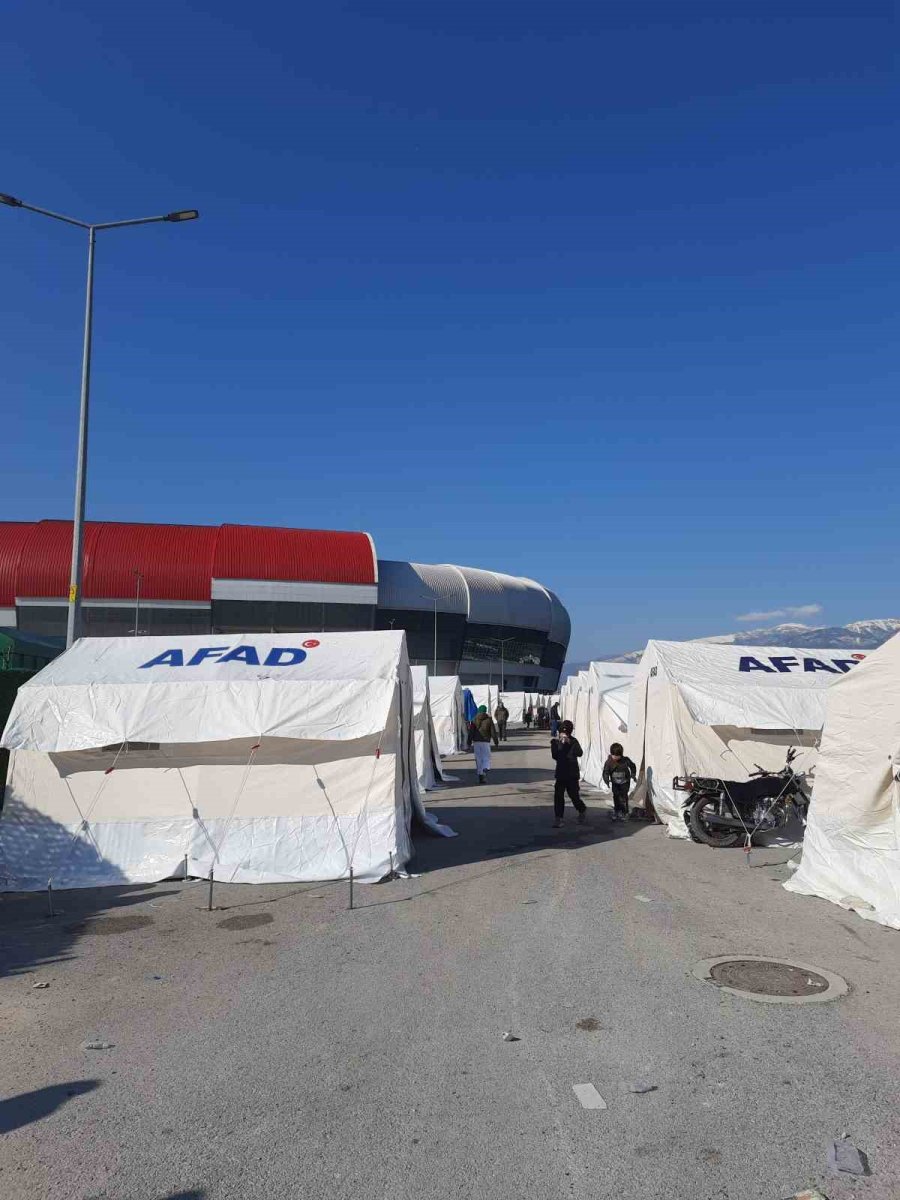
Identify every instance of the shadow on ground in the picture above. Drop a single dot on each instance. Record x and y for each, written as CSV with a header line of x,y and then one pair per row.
x,y
30,938
487,832
17,1111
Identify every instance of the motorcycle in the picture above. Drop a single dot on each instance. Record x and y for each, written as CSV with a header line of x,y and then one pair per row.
x,y
724,812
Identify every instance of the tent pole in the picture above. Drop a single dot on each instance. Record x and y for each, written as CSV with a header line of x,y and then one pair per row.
x,y
50,912
185,868
351,887
210,905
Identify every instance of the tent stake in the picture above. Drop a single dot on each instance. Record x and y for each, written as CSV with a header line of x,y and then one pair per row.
x,y
50,912
210,906
185,868
351,887
391,857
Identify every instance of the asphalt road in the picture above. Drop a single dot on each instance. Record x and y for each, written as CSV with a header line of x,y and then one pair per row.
x,y
285,1047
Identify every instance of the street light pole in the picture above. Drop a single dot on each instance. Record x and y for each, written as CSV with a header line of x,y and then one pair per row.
x,y
502,664
434,669
138,580
73,619
433,600
73,616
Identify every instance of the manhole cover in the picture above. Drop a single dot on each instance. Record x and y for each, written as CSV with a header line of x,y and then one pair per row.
x,y
770,979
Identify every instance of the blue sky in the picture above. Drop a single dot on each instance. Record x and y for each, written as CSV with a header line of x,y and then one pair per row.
x,y
602,294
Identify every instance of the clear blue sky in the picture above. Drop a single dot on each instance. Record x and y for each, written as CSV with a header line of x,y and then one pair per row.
x,y
605,294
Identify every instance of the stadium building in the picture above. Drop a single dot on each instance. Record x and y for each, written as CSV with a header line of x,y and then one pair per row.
x,y
177,579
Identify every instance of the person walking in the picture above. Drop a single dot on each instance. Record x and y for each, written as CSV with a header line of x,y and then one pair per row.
x,y
501,716
528,716
554,719
619,772
482,733
566,751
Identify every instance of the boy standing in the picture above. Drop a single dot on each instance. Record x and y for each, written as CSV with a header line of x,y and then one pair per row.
x,y
619,772
566,751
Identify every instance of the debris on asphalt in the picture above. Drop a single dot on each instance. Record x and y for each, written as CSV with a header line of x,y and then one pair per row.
x,y
809,1194
97,1045
40,985
588,1095
510,1037
644,899
640,1089
843,1156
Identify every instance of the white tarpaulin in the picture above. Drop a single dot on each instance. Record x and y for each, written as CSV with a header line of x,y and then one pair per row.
x,y
514,702
486,694
264,757
851,853
445,693
609,690
429,769
707,709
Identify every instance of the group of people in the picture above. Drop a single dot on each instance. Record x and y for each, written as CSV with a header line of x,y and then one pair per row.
x,y
619,771
542,717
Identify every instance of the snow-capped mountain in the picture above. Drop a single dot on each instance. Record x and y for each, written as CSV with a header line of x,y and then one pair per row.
x,y
858,635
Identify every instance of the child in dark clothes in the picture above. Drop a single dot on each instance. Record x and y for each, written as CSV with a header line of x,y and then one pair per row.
x,y
619,772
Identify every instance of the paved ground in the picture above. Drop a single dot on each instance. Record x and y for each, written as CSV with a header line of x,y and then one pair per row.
x,y
285,1047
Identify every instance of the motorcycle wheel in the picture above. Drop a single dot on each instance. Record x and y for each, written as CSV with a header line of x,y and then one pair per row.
x,y
710,835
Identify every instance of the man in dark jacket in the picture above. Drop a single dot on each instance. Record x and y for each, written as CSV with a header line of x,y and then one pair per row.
x,y
619,772
566,751
501,717
554,720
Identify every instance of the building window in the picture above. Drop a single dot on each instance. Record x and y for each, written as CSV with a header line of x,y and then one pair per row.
x,y
277,616
419,627
490,643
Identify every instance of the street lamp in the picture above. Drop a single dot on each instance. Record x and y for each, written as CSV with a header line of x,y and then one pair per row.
x,y
138,580
73,621
502,646
434,601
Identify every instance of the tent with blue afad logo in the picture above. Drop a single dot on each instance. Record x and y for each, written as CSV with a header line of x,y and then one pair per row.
x,y
258,757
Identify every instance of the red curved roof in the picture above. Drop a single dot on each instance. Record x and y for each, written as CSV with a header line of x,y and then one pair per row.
x,y
177,562
13,536
262,552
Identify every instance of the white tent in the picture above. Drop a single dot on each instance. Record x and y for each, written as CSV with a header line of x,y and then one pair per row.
x,y
701,708
486,694
851,853
609,691
445,693
515,705
264,757
429,769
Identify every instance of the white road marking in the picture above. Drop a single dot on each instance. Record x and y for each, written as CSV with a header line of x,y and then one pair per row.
x,y
588,1095
644,899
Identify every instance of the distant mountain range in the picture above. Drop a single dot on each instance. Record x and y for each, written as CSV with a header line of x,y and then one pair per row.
x,y
858,635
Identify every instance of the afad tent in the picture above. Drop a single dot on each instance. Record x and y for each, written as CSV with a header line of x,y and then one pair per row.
x,y
701,708
447,713
608,694
429,770
260,757
851,852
